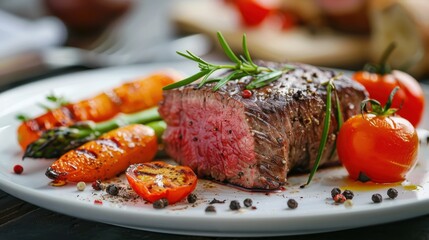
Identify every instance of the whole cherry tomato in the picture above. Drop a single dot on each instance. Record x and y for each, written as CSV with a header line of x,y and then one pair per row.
x,y
254,12
156,180
379,81
377,146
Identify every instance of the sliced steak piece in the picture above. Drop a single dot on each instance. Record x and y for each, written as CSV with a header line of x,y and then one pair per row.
x,y
254,142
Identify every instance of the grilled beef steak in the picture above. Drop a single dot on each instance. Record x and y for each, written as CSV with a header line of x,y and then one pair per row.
x,y
254,142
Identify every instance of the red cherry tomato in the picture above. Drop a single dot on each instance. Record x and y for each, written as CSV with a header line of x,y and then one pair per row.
x,y
253,12
156,180
410,97
377,148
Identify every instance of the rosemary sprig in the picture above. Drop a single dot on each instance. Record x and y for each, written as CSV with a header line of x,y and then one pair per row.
x,y
330,90
241,66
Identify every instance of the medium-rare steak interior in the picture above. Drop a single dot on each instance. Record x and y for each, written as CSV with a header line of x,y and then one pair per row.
x,y
255,141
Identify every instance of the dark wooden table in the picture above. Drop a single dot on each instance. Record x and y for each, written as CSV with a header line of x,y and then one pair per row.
x,y
21,220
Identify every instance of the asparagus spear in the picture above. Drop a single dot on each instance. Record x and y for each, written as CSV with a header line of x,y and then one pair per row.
x,y
55,142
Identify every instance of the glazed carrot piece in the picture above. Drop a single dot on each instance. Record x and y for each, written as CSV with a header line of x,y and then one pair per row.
x,y
130,97
107,156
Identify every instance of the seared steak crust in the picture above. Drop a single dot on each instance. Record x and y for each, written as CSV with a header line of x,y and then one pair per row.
x,y
254,142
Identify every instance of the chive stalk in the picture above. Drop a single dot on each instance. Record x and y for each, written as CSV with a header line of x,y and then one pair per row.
x,y
330,90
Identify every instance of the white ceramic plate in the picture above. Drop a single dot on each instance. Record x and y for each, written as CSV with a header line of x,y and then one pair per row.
x,y
316,211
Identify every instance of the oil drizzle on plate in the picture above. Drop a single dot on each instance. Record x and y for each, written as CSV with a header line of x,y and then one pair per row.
x,y
367,186
370,186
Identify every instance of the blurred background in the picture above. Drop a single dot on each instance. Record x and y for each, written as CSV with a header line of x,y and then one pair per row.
x,y
40,38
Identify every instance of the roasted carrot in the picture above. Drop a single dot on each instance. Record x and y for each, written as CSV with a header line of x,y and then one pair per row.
x,y
130,97
107,156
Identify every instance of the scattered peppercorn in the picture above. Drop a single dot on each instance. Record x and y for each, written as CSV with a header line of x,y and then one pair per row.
x,y
96,185
216,201
18,169
234,205
160,203
248,202
211,208
339,198
392,193
81,186
192,198
335,191
112,189
246,93
348,194
377,198
292,204
165,200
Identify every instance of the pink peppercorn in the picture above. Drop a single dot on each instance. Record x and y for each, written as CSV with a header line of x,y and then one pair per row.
x,y
18,169
96,185
246,93
339,198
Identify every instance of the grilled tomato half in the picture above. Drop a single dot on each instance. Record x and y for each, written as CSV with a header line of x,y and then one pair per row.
x,y
157,180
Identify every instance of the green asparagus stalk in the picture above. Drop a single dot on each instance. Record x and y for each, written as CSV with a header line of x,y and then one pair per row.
x,y
55,142
158,127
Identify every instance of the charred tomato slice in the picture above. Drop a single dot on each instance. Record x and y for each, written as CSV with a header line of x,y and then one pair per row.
x,y
156,180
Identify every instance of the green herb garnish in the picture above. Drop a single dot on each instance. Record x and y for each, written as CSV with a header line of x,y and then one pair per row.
x,y
22,117
58,101
243,66
330,90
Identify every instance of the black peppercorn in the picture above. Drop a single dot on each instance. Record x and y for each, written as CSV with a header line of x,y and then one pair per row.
x,y
335,192
210,208
234,205
348,194
392,193
165,201
292,204
377,198
192,198
248,202
161,203
112,189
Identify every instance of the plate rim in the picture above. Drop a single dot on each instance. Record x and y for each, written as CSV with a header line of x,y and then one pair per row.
x,y
27,193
